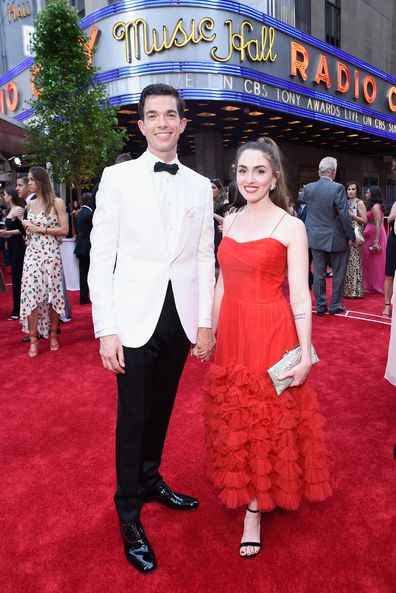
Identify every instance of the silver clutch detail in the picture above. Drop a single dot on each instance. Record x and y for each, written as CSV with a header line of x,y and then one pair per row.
x,y
359,237
287,362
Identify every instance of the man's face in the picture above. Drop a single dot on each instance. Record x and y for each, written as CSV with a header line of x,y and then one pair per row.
x,y
22,189
162,125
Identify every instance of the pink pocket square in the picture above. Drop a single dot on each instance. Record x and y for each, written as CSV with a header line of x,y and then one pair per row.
x,y
190,212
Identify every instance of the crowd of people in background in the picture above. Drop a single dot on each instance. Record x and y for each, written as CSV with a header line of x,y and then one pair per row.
x,y
34,221
370,254
32,252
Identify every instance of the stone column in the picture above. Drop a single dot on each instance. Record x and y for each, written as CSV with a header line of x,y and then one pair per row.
x,y
209,154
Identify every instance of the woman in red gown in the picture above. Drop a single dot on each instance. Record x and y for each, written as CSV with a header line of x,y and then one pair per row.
x,y
264,451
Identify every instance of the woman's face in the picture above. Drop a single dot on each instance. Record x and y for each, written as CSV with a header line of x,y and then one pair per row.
x,y
352,191
215,191
7,198
254,175
33,187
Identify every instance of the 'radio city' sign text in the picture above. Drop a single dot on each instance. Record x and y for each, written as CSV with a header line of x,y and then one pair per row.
x,y
257,45
9,98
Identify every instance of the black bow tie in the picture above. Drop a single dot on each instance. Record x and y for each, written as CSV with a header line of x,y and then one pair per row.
x,y
172,169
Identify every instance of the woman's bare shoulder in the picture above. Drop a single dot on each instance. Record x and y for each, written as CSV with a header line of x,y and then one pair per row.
x,y
59,202
228,220
293,222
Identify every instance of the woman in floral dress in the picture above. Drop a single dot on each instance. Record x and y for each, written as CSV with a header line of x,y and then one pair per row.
x,y
42,299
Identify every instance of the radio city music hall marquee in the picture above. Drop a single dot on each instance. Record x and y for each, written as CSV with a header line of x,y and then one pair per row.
x,y
219,54
254,44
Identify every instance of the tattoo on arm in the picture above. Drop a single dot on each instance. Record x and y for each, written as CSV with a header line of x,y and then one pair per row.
x,y
300,316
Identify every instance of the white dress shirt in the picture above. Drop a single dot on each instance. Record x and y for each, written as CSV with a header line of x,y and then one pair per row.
x,y
168,193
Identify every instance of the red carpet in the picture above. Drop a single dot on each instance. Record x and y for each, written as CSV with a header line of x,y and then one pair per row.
x,y
59,529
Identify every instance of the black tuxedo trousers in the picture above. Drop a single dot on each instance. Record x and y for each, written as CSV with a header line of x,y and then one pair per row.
x,y
146,394
83,265
17,254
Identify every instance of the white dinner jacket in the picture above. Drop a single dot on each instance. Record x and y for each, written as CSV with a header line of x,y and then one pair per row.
x,y
130,264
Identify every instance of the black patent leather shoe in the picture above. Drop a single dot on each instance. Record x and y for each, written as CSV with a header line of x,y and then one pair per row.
x,y
337,311
173,500
322,312
138,551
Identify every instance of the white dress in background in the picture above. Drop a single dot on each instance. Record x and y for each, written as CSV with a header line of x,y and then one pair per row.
x,y
390,371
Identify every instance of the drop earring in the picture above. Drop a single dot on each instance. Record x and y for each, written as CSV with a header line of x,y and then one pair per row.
x,y
272,186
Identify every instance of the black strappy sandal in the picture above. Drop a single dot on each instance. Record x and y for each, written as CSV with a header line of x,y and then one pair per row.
x,y
386,314
255,544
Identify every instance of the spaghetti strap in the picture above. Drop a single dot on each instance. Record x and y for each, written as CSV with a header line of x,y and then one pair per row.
x,y
277,224
235,217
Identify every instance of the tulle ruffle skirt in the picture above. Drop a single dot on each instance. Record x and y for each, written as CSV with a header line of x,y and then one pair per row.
x,y
263,446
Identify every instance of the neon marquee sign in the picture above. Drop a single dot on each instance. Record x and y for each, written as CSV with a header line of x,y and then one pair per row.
x,y
260,45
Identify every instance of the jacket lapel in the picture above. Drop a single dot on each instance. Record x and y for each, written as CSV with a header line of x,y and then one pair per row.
x,y
185,214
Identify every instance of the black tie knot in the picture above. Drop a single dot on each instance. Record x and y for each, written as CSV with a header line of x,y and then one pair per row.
x,y
160,166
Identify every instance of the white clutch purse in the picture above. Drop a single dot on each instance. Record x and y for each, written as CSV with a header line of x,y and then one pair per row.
x,y
290,359
359,238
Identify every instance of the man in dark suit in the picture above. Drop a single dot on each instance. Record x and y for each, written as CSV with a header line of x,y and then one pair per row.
x,y
83,244
302,215
329,230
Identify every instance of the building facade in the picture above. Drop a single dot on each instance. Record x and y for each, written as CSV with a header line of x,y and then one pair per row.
x,y
312,75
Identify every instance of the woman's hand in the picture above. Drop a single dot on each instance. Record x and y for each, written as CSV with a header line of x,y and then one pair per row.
x,y
205,345
299,373
375,247
16,212
33,228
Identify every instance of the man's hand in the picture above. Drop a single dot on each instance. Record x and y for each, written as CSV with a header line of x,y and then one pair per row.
x,y
205,343
112,354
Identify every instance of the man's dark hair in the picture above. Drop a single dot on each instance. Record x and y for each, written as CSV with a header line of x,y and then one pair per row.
x,y
161,89
122,158
86,199
25,179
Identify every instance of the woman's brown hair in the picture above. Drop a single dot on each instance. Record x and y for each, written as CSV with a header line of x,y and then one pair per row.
x,y
15,199
279,195
41,177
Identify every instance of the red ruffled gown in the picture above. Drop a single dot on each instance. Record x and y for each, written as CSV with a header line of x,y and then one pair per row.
x,y
260,445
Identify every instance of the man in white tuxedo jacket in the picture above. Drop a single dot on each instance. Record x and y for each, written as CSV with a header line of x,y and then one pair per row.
x,y
151,284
